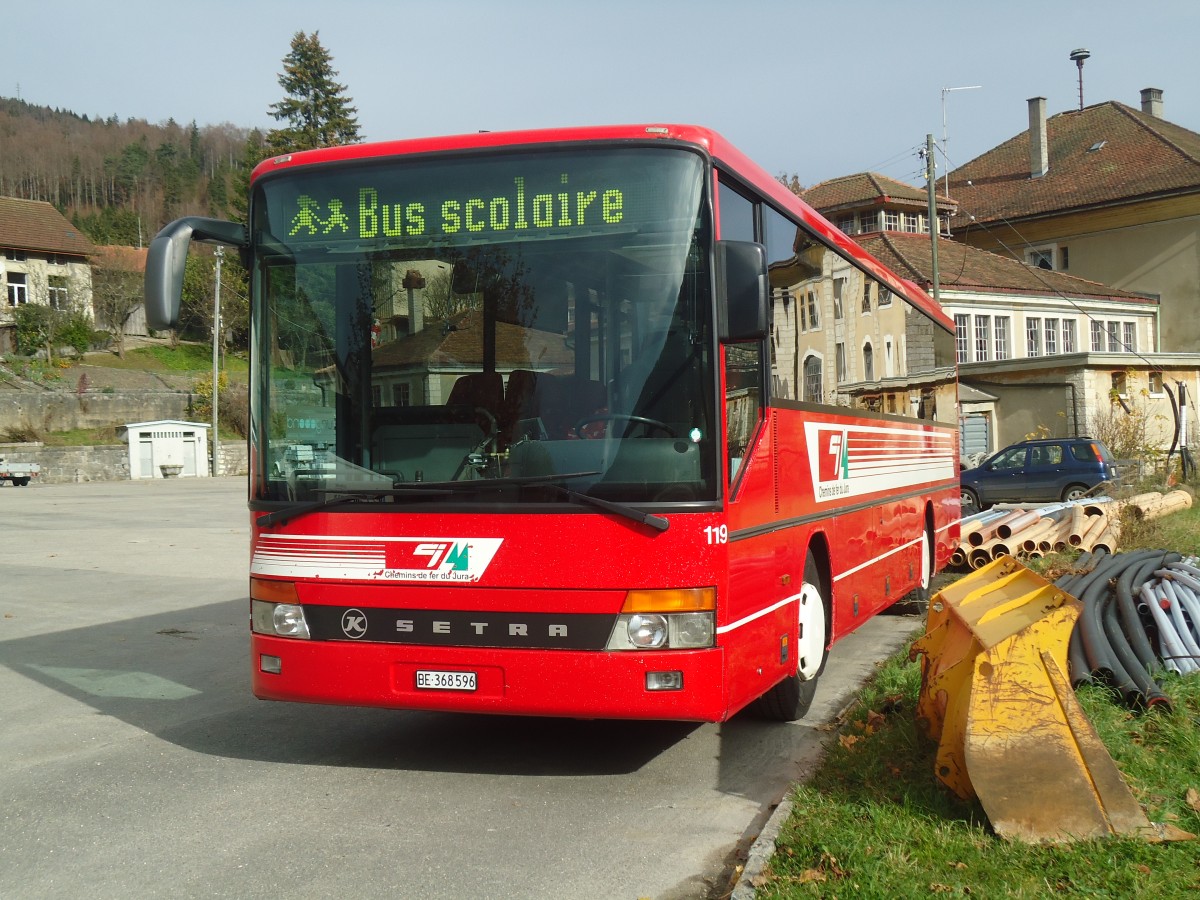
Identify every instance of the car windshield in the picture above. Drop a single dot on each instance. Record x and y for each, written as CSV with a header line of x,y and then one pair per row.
x,y
495,319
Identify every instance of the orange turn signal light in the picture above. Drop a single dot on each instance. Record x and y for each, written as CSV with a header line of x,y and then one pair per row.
x,y
273,591
671,600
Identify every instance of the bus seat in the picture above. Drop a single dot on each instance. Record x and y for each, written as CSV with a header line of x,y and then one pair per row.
x,y
482,389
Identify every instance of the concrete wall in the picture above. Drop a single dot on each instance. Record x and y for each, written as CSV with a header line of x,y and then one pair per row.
x,y
63,411
65,465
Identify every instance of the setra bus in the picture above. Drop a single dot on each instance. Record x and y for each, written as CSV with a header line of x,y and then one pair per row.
x,y
594,422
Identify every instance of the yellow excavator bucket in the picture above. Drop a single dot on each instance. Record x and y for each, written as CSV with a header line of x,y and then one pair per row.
x,y
1008,726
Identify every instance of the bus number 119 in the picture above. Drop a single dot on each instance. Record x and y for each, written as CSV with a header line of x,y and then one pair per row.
x,y
717,534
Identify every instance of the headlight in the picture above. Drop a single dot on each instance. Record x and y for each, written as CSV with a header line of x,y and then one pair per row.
x,y
278,619
691,629
663,631
647,632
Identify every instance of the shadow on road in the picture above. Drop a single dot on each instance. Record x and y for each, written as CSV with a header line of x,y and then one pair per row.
x,y
170,676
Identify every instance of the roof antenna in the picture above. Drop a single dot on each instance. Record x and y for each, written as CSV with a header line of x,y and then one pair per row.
x,y
1078,56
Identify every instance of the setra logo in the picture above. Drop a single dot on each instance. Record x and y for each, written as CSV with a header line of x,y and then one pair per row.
x,y
354,623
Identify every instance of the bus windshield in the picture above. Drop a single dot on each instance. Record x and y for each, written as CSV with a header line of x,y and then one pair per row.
x,y
503,324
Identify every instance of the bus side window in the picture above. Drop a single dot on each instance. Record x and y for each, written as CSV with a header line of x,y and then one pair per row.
x,y
744,394
803,286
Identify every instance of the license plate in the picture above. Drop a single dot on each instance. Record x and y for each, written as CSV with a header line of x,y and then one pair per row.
x,y
445,681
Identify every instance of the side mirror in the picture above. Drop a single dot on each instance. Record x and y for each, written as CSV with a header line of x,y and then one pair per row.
x,y
742,291
167,257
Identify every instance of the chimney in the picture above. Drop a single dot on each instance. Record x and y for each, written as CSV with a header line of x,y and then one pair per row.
x,y
1152,102
1039,150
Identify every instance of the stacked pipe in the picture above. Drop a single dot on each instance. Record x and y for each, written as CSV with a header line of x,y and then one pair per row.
x,y
1089,526
1140,618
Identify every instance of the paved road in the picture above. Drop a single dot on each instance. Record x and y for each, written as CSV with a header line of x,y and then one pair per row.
x,y
135,763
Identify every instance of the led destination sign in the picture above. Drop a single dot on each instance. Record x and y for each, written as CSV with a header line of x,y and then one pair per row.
x,y
374,215
501,199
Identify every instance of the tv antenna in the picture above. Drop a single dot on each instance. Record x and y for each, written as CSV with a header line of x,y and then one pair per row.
x,y
945,136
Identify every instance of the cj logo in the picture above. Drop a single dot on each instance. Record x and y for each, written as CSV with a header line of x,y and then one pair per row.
x,y
833,461
456,555
354,623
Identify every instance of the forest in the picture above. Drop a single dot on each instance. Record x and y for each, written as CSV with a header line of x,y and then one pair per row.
x,y
120,181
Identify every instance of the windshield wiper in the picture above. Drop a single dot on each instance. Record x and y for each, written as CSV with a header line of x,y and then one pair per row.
x,y
347,495
658,523
447,488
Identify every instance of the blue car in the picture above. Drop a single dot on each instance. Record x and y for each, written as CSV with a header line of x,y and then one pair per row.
x,y
1038,471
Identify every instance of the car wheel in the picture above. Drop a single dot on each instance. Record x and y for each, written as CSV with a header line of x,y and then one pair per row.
x,y
969,499
1075,492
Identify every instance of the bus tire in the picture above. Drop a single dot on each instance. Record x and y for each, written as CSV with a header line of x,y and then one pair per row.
x,y
791,698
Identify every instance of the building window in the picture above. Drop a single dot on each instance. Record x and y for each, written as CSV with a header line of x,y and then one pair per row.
x,y
1033,337
1156,383
57,293
983,338
1114,337
1040,257
1120,384
891,220
962,337
1051,337
1064,258
812,379
846,225
16,255
1097,336
839,285
1001,329
18,292
839,358
868,222
912,223
885,296
866,300
1068,335
1130,337
814,320
868,363
400,394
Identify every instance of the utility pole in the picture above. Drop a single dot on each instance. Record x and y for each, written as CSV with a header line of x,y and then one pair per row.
x,y
934,226
216,445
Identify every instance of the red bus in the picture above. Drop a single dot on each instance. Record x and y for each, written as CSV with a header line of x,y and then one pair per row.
x,y
595,422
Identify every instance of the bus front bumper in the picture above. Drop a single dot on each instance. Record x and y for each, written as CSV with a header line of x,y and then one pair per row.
x,y
591,684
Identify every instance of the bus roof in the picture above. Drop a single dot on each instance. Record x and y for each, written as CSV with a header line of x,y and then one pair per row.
x,y
725,154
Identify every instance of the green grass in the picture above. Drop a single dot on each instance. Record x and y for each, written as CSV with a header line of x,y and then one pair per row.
x,y
182,359
875,822
83,437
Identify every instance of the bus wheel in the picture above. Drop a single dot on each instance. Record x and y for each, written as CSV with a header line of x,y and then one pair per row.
x,y
791,698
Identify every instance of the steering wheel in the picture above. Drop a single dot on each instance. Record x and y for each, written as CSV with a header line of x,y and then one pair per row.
x,y
619,417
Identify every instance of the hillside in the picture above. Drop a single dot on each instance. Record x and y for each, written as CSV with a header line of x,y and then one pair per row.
x,y
120,181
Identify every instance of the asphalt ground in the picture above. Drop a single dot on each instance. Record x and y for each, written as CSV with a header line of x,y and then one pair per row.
x,y
134,761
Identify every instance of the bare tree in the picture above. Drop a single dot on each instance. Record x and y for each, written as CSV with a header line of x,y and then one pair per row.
x,y
116,293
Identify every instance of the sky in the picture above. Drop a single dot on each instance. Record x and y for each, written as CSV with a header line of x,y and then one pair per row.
x,y
812,89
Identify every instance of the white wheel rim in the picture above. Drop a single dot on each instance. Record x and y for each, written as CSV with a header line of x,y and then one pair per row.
x,y
810,647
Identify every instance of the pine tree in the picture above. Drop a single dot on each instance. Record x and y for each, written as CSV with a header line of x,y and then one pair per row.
x,y
317,111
